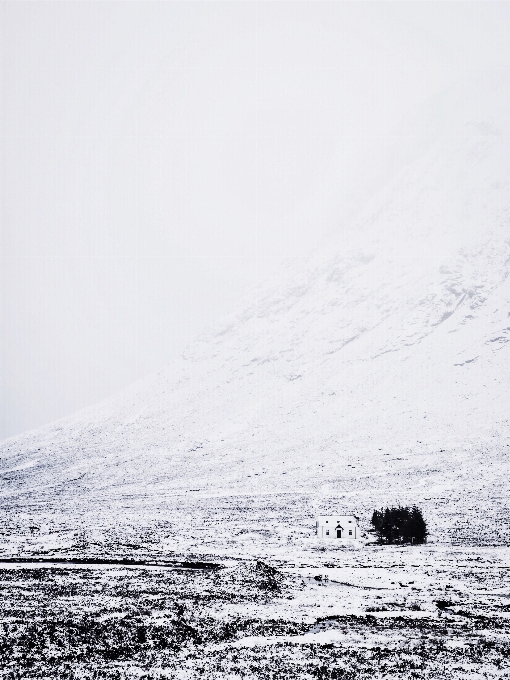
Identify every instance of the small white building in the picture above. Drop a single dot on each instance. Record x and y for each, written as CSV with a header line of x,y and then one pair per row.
x,y
337,526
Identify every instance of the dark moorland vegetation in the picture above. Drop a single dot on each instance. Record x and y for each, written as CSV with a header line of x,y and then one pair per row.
x,y
399,525
153,624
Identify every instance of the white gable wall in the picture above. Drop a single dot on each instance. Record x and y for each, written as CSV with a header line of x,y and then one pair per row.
x,y
337,526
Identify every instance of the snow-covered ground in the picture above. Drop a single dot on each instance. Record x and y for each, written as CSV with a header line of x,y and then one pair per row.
x,y
370,611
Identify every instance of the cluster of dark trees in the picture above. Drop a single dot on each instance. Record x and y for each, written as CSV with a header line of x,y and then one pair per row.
x,y
399,525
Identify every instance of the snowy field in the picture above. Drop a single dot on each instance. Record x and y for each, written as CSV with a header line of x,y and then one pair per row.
x,y
226,596
345,611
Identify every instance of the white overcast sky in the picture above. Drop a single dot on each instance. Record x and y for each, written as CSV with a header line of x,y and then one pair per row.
x,y
159,159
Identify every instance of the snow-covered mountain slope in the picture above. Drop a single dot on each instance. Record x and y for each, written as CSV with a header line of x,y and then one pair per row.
x,y
380,372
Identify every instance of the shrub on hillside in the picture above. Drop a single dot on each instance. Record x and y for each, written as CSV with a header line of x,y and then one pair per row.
x,y
399,525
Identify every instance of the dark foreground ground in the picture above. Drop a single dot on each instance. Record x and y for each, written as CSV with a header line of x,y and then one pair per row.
x,y
243,620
